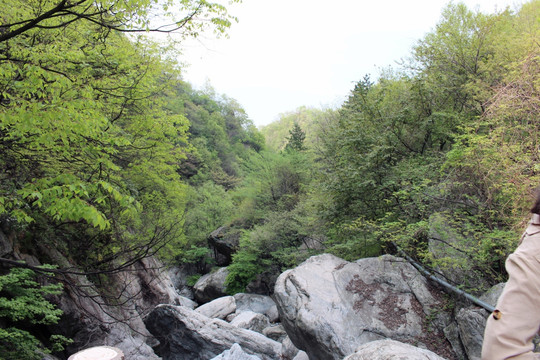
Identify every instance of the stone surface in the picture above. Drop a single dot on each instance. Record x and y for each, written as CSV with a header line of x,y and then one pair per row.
x,y
451,332
235,353
263,284
302,355
391,350
99,353
261,304
179,276
492,295
6,246
89,322
211,286
275,332
288,350
219,308
329,306
187,334
224,242
471,324
251,321
184,301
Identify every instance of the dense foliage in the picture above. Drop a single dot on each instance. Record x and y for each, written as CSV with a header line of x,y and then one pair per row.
x,y
23,308
453,132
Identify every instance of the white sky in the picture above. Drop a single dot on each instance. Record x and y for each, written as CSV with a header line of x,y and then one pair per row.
x,y
287,53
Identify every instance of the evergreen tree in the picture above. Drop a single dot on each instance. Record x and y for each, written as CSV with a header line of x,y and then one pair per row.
x,y
296,138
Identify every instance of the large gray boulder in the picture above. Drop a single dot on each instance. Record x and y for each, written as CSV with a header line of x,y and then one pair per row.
x,y
185,334
211,286
330,306
391,350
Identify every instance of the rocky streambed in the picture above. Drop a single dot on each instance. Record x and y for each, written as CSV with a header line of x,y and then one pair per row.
x,y
326,308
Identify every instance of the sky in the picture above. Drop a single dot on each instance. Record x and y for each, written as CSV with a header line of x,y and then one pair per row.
x,y
283,54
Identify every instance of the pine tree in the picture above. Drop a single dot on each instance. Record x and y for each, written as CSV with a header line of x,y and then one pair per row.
x,y
296,138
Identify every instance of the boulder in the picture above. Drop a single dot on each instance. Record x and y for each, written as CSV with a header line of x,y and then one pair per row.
x,y
471,324
261,304
187,334
329,306
224,243
251,321
219,308
391,350
235,353
211,286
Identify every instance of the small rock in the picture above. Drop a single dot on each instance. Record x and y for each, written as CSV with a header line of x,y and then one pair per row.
x,y
251,321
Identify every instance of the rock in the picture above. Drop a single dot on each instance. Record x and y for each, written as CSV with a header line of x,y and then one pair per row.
x,y
179,276
184,301
471,324
219,308
301,356
235,353
187,334
288,350
263,283
451,332
224,242
211,286
99,352
251,321
6,246
90,322
391,350
329,306
261,304
492,295
149,279
275,332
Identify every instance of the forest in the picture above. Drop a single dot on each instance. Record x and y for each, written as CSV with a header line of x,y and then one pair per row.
x,y
108,156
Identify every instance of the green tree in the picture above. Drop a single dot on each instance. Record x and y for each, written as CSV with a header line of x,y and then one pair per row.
x,y
295,140
23,306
